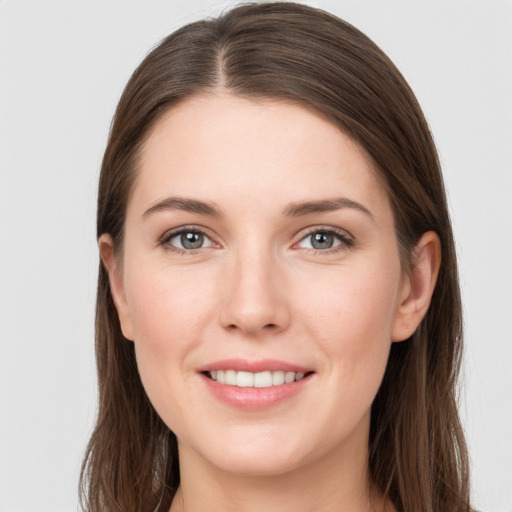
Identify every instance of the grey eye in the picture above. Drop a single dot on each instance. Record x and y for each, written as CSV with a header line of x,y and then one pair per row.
x,y
322,240
192,240
189,240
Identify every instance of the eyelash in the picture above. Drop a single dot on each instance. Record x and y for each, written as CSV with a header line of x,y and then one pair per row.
x,y
165,240
346,240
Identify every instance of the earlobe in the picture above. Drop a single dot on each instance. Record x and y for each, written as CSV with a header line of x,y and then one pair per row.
x,y
418,286
106,248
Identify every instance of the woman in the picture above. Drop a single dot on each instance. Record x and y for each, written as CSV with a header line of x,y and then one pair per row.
x,y
278,315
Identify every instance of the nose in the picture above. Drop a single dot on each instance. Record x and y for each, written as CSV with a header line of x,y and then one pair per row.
x,y
254,296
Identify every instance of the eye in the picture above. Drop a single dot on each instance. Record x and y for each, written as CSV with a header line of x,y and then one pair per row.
x,y
325,240
186,240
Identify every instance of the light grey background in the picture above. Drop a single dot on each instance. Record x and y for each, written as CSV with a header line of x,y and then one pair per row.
x,y
63,65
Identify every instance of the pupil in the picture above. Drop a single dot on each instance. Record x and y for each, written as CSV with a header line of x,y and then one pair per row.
x,y
192,240
322,241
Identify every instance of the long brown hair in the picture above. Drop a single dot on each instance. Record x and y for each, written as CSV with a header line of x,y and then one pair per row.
x,y
418,456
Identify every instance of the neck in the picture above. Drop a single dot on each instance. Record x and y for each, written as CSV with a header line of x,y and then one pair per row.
x,y
337,482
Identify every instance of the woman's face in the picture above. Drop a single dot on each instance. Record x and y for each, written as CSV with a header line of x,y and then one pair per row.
x,y
259,248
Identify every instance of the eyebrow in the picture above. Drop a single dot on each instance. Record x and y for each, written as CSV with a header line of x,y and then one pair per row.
x,y
185,204
325,205
296,209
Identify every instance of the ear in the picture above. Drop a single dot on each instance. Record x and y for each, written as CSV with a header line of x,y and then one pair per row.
x,y
106,248
417,287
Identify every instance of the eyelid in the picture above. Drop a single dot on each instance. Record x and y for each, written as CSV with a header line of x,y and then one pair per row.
x,y
170,234
347,239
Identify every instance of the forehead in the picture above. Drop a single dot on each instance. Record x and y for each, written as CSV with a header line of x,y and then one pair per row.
x,y
220,147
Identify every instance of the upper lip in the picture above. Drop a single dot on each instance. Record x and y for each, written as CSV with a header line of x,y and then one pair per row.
x,y
254,366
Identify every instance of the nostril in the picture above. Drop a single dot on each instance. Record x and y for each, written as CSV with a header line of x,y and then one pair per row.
x,y
269,327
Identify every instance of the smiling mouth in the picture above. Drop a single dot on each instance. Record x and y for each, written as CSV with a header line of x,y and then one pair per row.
x,y
265,379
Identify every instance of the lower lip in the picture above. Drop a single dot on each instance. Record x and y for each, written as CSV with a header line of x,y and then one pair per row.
x,y
255,399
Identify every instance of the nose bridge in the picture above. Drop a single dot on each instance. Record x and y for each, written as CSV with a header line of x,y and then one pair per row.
x,y
254,295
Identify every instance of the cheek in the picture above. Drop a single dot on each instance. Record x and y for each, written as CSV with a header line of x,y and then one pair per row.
x,y
351,317
348,303
167,306
169,310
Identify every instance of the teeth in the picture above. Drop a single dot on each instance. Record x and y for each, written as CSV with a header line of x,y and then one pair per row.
x,y
230,377
245,379
256,380
289,377
277,378
263,380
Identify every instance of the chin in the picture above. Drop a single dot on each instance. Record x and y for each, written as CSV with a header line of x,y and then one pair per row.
x,y
252,458
262,466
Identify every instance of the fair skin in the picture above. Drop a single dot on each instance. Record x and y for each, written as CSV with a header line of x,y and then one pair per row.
x,y
252,280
